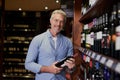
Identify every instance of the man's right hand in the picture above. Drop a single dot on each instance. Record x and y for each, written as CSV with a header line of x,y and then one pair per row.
x,y
51,69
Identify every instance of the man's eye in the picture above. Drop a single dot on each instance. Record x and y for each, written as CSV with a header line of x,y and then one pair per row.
x,y
56,20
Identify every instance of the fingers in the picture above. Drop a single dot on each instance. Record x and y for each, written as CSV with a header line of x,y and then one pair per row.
x,y
56,69
70,63
71,60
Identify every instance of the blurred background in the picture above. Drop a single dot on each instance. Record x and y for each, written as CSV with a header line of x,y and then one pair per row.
x,y
20,21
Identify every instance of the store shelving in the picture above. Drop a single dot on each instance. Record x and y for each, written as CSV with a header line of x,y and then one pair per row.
x,y
99,7
105,60
95,11
18,32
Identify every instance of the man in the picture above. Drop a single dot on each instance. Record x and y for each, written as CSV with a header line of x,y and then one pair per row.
x,y
48,48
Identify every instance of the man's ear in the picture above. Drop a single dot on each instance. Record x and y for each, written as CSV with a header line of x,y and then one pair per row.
x,y
50,21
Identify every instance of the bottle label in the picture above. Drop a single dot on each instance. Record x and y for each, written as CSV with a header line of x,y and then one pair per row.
x,y
117,44
105,41
92,35
99,35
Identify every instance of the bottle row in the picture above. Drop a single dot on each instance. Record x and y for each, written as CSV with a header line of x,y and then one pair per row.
x,y
99,67
9,39
19,30
18,76
17,60
105,60
16,70
12,48
86,4
18,33
23,27
102,35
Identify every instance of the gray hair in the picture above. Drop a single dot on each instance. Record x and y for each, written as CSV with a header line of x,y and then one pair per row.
x,y
59,12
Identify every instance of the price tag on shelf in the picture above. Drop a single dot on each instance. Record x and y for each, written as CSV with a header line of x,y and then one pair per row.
x,y
98,57
87,59
109,63
103,59
89,53
93,55
117,69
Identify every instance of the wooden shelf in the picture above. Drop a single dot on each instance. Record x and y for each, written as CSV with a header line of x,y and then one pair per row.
x,y
111,63
100,7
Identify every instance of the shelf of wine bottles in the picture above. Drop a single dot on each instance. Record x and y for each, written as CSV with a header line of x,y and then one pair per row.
x,y
100,41
96,69
105,60
18,32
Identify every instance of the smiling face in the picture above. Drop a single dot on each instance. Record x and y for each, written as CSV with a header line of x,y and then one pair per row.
x,y
57,22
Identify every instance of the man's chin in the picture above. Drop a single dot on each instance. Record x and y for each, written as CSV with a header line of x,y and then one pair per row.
x,y
56,31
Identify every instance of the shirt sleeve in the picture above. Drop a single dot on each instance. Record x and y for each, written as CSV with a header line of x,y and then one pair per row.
x,y
32,54
70,48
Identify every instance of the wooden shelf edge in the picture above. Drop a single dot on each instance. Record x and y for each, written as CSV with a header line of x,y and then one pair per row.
x,y
111,63
95,11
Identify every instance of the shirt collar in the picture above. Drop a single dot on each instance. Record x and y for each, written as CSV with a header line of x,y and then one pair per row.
x,y
50,35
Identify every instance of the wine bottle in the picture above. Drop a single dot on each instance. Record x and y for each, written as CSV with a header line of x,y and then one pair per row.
x,y
112,31
83,39
106,73
94,30
95,35
105,35
61,62
117,42
99,34
97,72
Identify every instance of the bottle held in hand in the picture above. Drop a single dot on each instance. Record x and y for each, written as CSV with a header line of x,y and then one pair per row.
x,y
61,62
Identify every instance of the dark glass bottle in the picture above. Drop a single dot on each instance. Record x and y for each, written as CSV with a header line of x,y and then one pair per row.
x,y
105,43
117,42
98,73
116,76
99,34
85,6
92,35
61,62
112,31
83,39
94,30
106,73
87,36
84,33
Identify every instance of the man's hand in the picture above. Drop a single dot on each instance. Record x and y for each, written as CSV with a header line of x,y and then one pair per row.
x,y
54,69
70,63
51,69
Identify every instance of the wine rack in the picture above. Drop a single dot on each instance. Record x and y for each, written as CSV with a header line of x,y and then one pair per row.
x,y
18,32
98,44
105,60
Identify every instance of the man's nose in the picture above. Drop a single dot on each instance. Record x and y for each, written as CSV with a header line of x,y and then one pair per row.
x,y
58,23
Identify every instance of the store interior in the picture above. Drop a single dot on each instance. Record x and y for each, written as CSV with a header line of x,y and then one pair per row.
x,y
92,25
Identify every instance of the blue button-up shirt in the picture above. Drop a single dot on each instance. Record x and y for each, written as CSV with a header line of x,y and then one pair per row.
x,y
43,52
